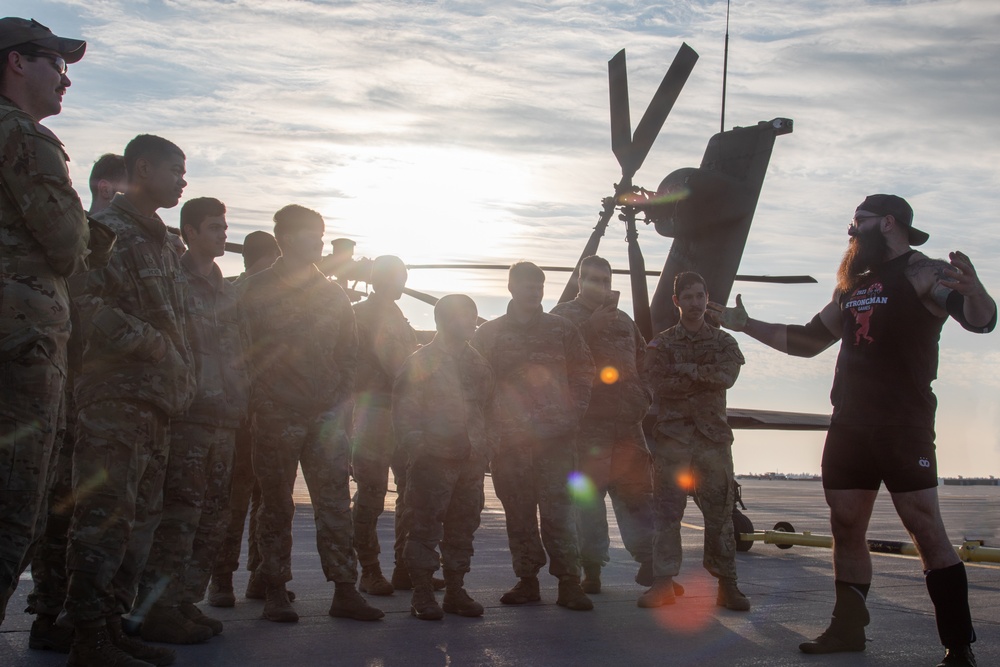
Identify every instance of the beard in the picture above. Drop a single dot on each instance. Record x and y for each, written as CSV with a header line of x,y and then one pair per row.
x,y
865,251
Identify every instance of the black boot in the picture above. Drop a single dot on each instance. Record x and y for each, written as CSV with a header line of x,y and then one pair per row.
x,y
949,591
847,627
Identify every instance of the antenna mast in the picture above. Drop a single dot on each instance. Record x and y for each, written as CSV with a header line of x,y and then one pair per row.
x,y
725,71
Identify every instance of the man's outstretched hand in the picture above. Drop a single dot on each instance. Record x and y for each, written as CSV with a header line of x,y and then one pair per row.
x,y
734,318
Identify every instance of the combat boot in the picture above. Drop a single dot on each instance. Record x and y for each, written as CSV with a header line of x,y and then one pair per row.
x,y
348,603
220,590
154,655
457,599
422,603
195,615
591,578
277,606
731,597
524,591
257,589
846,633
170,626
47,636
661,593
373,582
92,647
571,595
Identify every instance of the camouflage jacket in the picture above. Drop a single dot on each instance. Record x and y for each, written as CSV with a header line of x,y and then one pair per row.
x,y
134,340
215,333
439,403
303,340
43,236
618,393
543,376
689,374
385,340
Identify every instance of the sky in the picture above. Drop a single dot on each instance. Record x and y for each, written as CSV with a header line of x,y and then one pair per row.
x,y
478,131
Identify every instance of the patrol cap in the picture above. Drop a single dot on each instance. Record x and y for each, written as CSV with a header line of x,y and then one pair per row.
x,y
343,245
15,31
898,209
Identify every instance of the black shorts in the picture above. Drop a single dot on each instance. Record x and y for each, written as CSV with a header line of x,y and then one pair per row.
x,y
862,457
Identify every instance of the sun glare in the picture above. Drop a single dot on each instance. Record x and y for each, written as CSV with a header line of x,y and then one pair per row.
x,y
429,204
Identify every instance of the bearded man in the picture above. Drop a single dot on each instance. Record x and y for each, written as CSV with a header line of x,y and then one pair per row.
x,y
888,309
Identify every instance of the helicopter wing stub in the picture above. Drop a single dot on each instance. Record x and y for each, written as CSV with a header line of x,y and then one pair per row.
x,y
774,420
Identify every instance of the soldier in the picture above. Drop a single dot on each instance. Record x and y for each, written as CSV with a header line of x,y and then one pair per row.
x,y
43,239
888,309
543,374
202,441
136,374
611,448
259,252
438,409
386,339
689,367
303,359
48,567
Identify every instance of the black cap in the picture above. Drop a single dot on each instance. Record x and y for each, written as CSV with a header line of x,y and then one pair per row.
x,y
898,209
16,31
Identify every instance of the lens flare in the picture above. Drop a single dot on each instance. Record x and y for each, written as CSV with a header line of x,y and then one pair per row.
x,y
581,489
686,481
609,375
694,611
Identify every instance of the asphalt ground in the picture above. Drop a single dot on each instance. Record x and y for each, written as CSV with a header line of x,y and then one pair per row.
x,y
791,591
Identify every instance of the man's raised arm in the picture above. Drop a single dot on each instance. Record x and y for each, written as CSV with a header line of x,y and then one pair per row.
x,y
795,339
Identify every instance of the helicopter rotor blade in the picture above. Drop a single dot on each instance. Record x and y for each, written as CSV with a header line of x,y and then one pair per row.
x,y
621,122
782,280
659,108
430,300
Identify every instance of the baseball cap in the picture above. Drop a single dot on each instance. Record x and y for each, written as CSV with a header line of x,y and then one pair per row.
x,y
898,209
15,31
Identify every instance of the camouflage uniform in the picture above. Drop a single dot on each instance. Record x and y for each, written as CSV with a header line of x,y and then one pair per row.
x,y
611,447
386,340
689,374
244,496
136,374
303,359
43,239
202,441
543,377
438,409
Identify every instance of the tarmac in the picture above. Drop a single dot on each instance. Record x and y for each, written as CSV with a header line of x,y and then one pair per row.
x,y
791,591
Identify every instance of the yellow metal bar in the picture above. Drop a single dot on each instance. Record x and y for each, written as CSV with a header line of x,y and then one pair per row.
x,y
972,551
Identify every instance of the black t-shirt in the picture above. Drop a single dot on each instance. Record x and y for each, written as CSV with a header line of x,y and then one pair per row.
x,y
888,353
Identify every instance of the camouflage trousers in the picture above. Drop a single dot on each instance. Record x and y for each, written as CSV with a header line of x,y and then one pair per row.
x,y
444,502
243,497
614,458
31,401
531,480
710,465
282,438
48,566
118,469
195,514
373,453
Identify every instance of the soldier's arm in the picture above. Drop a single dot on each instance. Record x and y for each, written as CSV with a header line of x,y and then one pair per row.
x,y
407,409
662,375
34,173
109,326
795,339
347,343
391,352
956,290
579,367
723,371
